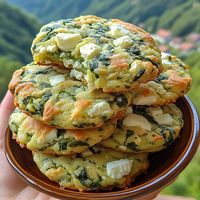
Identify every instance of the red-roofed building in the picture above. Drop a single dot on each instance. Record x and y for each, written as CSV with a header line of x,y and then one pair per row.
x,y
164,48
186,47
163,35
176,42
194,37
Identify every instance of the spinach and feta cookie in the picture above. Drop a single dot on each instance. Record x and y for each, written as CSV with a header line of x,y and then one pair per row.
x,y
146,129
93,170
36,136
48,94
171,84
108,54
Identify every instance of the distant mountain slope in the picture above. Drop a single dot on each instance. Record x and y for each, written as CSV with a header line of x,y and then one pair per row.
x,y
16,33
7,67
181,16
180,19
48,10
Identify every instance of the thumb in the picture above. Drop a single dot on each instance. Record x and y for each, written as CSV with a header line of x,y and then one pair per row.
x,y
6,108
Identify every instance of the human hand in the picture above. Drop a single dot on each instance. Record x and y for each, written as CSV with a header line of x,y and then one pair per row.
x,y
12,188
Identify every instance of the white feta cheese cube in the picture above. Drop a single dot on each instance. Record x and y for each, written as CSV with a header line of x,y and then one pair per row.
x,y
117,30
51,48
155,110
164,119
119,168
135,67
42,49
54,80
77,65
100,108
124,41
165,61
68,63
164,55
89,51
76,74
145,100
66,41
132,120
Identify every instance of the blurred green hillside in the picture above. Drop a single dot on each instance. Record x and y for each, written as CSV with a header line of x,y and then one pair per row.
x,y
181,17
16,34
194,61
188,182
7,67
152,14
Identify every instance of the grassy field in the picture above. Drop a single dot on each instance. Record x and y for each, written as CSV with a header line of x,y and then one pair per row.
x,y
188,182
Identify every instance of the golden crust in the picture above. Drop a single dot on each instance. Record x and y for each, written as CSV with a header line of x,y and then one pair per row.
x,y
68,104
129,26
15,79
37,136
92,167
116,45
171,84
136,139
88,19
50,110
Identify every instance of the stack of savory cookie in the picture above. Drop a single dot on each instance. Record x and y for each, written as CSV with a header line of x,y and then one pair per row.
x,y
97,99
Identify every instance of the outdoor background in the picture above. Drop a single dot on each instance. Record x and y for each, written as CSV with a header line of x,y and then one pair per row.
x,y
174,23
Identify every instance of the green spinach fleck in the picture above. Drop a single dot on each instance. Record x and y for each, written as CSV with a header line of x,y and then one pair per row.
x,y
93,64
160,78
120,100
14,126
28,136
45,85
132,146
141,110
104,59
44,70
134,51
63,94
83,125
85,180
63,144
27,100
168,139
50,28
48,36
129,133
45,98
139,74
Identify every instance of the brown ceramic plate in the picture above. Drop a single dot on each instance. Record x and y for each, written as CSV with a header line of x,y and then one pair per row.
x,y
164,165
